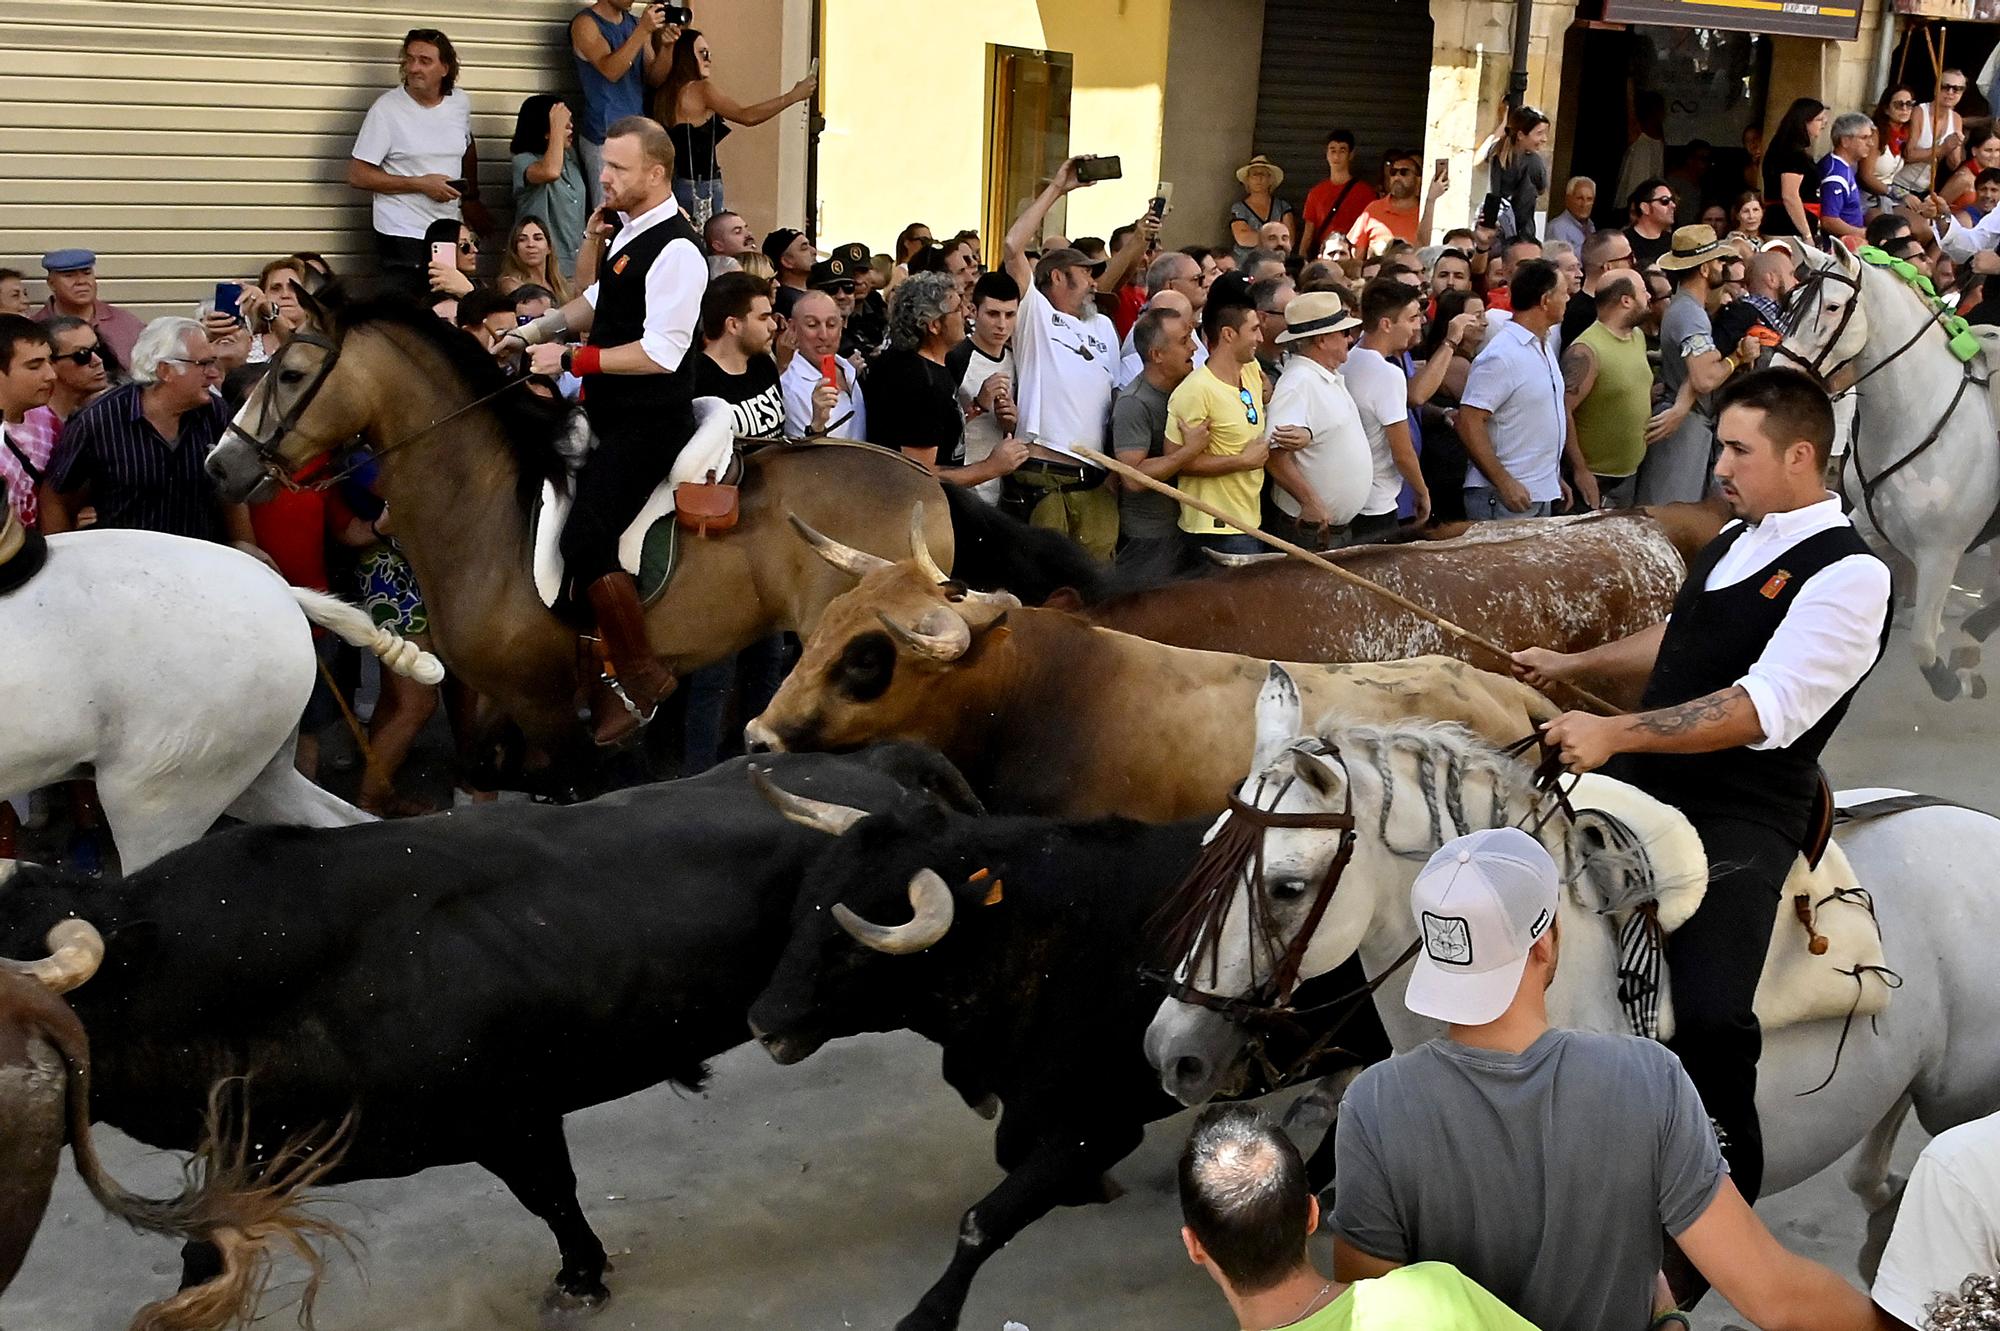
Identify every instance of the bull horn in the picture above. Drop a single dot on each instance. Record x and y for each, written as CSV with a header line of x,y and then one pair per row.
x,y
1243,561
920,548
75,951
931,905
857,563
946,644
819,815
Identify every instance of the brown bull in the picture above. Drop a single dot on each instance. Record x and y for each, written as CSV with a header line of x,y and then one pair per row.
x,y
45,1096
1567,584
1049,715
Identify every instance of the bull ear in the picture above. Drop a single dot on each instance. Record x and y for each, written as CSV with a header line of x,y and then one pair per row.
x,y
1278,722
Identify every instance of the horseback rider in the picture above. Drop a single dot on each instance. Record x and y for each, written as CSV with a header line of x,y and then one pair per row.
x,y
1780,618
638,319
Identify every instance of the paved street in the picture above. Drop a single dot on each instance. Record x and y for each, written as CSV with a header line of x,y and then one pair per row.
x,y
827,1195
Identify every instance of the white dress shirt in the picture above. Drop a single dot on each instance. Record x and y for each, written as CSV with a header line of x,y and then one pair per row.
x,y
1338,463
1962,242
797,383
674,285
1829,637
1518,380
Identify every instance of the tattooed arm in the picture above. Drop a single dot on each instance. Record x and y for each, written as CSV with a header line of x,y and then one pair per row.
x,y
1726,719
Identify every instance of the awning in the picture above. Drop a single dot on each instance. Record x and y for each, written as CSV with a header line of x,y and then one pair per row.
x,y
1838,20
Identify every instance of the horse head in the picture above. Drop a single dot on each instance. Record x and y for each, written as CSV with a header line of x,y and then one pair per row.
x,y
301,409
1829,322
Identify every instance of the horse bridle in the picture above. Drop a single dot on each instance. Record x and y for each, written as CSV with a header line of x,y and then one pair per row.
x,y
268,447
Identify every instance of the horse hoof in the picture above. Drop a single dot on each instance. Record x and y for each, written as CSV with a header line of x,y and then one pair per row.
x,y
1944,683
1965,656
1975,686
1981,622
564,1308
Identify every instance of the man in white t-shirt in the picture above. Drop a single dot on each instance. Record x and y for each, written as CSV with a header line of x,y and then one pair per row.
x,y
983,368
1392,321
1949,1224
1066,363
416,157
1322,483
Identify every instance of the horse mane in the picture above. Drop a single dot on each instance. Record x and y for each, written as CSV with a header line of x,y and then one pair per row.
x,y
528,422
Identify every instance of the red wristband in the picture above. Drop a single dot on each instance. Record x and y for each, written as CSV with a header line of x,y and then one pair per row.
x,y
585,361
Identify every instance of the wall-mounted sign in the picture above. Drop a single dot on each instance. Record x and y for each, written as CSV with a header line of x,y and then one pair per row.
x,y
1836,20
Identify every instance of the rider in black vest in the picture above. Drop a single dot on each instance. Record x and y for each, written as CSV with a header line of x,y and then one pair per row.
x,y
637,376
1780,619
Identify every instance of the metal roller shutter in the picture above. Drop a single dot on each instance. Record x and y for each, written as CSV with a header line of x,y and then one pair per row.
x,y
1364,64
189,141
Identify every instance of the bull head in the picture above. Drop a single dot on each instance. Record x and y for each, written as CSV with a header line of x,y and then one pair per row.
x,y
931,907
819,815
75,952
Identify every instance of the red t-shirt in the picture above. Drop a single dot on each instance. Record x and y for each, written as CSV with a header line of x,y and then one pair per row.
x,y
1320,201
1131,304
293,526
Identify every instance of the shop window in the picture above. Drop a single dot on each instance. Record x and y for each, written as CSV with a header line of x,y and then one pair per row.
x,y
1027,135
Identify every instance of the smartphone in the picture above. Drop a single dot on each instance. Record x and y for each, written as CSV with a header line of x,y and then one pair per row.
x,y
444,252
462,186
1489,211
1163,194
1441,169
229,299
1089,169
812,70
829,369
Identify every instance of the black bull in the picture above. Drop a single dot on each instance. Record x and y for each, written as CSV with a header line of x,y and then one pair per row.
x,y
1033,991
462,981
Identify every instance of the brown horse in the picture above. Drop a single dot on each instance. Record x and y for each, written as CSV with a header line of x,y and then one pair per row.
x,y
460,453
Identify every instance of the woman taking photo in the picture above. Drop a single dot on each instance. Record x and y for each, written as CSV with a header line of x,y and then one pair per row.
x,y
548,177
1519,173
1790,173
698,116
531,261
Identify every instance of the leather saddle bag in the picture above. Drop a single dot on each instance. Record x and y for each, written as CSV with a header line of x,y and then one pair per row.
x,y
705,506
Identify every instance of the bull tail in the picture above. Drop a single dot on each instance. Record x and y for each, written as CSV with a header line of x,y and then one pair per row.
x,y
353,626
249,1212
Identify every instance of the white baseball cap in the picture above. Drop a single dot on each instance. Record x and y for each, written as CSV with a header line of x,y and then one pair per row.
x,y
1480,904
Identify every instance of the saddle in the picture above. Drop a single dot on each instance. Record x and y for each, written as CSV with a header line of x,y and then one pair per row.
x,y
22,552
1825,959
703,479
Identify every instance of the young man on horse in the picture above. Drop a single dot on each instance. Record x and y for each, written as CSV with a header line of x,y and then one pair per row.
x,y
638,320
1778,622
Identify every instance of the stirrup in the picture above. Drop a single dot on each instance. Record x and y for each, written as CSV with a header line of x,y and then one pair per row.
x,y
625,700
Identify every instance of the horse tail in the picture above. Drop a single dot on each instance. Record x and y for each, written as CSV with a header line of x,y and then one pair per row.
x,y
353,626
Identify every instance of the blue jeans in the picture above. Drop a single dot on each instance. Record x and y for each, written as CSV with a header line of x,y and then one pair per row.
x,y
763,665
1482,504
689,192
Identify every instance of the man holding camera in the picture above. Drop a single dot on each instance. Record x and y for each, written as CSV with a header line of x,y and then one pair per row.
x,y
620,55
638,320
415,155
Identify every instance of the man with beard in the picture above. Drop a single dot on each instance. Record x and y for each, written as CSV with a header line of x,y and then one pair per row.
x,y
1396,214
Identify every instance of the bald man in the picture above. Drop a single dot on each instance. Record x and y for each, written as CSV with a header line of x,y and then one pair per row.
x,y
1771,281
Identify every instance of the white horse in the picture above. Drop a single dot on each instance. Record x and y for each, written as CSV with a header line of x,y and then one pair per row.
x,y
1925,460
173,673
1414,786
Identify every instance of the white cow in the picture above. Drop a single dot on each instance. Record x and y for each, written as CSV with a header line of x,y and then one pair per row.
x,y
173,673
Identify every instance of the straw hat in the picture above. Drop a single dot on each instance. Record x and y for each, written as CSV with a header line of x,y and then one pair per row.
x,y
1694,246
1277,172
1314,313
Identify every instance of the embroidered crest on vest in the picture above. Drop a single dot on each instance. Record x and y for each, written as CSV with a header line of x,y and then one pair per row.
x,y
619,267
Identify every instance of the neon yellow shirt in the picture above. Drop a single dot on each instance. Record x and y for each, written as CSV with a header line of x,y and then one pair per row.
x,y
1232,425
1425,1296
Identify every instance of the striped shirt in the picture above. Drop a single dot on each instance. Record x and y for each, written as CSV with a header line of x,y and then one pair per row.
x,y
138,479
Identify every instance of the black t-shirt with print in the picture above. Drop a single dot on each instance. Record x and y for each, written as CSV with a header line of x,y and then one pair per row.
x,y
753,397
913,403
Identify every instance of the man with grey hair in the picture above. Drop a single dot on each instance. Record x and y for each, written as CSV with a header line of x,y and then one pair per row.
x,y
1172,271
1573,223
1246,1212
135,455
1840,210
1261,263
913,397
1270,296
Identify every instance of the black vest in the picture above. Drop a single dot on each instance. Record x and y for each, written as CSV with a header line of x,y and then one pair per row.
x,y
1711,642
620,318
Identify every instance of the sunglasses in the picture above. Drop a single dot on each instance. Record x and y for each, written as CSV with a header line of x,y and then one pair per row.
x,y
1664,201
1951,87
81,357
1249,402
837,288
1901,104
1402,170
204,365
467,247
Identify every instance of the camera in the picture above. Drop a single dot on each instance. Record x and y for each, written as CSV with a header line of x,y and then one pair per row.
x,y
678,14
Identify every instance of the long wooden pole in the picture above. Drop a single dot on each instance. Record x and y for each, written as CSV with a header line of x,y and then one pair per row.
x,y
1133,474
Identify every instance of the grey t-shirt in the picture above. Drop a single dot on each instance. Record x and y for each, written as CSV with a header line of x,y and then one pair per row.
x,y
1685,332
1547,1176
1139,423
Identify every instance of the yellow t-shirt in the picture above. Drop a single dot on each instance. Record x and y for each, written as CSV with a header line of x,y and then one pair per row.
x,y
1425,1296
1231,425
